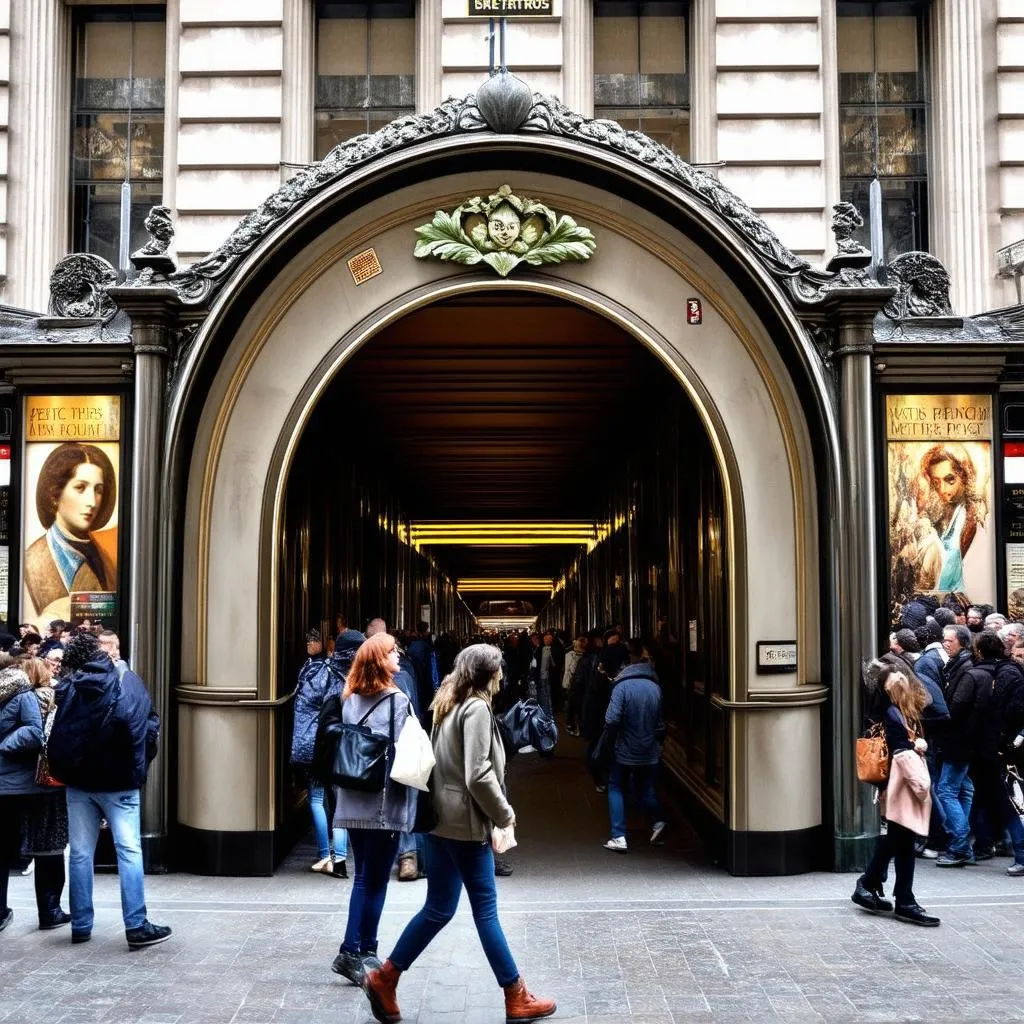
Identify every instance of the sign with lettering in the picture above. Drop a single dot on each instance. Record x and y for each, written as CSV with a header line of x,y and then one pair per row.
x,y
941,498
776,656
72,418
515,8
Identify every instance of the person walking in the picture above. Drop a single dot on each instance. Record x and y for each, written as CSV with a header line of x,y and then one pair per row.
x,y
33,818
906,800
375,821
469,802
315,681
634,715
103,738
573,692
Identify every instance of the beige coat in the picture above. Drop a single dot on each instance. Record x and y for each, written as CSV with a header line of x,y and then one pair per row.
x,y
467,778
908,797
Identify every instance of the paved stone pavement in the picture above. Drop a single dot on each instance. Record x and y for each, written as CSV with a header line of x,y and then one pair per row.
x,y
659,936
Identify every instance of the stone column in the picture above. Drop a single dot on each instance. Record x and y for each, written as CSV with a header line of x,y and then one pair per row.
x,y
957,165
152,310
429,71
40,135
852,313
578,56
298,75
703,83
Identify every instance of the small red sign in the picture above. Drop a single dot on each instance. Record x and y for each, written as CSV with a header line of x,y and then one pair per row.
x,y
694,312
1011,449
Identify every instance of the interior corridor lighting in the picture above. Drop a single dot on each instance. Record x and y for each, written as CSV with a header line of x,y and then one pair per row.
x,y
503,534
483,585
505,621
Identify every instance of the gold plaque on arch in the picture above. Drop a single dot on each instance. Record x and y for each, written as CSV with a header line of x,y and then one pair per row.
x,y
364,265
72,418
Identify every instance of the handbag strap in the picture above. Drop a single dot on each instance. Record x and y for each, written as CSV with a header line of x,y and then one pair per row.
x,y
362,721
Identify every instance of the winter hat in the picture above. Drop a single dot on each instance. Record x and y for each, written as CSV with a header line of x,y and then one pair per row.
x,y
914,614
907,639
945,616
80,649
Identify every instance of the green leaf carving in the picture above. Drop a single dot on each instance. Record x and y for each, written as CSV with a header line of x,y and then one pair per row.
x,y
561,239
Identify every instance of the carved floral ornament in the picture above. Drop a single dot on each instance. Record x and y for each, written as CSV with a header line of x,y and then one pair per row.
x,y
503,231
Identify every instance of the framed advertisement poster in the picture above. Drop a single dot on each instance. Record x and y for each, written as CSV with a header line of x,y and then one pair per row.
x,y
941,535
69,508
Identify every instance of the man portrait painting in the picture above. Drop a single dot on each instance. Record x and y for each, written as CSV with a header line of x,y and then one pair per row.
x,y
76,494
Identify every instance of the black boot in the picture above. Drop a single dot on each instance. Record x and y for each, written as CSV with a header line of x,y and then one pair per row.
x,y
870,898
50,914
914,914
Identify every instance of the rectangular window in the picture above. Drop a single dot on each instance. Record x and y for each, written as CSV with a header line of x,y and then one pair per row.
x,y
117,125
641,71
365,68
883,112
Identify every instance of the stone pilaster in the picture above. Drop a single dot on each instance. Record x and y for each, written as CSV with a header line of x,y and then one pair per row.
x,y
957,164
578,55
40,96
152,310
298,73
703,83
429,32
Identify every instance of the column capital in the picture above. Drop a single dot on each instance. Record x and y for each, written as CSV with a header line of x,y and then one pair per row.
x,y
152,309
848,316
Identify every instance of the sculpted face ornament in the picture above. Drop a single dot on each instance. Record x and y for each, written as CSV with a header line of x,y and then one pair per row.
x,y
503,231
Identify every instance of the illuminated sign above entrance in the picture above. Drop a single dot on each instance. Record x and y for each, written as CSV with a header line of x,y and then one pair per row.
x,y
501,8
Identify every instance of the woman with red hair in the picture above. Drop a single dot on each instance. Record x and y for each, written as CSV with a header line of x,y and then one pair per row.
x,y
374,821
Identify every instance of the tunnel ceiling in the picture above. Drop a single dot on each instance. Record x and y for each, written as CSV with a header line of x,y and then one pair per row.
x,y
498,408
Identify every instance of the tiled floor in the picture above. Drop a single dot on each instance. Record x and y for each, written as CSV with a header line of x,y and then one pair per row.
x,y
659,936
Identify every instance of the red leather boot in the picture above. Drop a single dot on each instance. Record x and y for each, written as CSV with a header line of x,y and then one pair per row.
x,y
379,986
521,1005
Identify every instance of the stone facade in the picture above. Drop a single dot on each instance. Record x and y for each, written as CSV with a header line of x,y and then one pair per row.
x,y
763,108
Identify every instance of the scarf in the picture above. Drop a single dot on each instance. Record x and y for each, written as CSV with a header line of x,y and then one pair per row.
x,y
69,555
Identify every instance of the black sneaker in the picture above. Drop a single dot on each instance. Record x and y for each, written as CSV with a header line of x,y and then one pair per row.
x,y
870,900
77,937
503,867
984,853
951,860
913,914
57,919
350,966
6,918
148,935
339,870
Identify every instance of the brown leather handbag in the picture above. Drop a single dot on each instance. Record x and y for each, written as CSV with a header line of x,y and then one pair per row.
x,y
873,756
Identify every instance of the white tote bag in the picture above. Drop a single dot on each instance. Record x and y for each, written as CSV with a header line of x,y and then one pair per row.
x,y
414,756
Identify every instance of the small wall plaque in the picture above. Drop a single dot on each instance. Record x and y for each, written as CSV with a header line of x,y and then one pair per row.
x,y
694,312
364,265
518,8
776,656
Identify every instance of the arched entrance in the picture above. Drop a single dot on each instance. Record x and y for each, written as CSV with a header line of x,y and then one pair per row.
x,y
292,316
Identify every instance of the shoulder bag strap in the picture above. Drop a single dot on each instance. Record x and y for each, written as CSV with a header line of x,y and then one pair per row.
x,y
377,705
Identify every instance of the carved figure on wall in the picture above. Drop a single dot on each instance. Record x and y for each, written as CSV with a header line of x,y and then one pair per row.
x,y
78,287
922,284
160,228
503,231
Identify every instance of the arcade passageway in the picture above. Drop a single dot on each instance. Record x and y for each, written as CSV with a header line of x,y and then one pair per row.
x,y
507,462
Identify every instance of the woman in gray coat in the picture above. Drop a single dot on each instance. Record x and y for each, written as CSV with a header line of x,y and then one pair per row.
x,y
374,821
470,802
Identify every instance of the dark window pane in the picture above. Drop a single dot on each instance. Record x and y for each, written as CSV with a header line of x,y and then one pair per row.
x,y
904,208
101,146
341,91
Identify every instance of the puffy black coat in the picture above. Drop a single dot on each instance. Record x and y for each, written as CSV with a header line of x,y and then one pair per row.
x,y
968,692
105,731
1006,710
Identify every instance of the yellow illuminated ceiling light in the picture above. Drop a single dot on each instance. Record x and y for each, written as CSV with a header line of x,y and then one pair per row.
x,y
487,585
503,534
505,621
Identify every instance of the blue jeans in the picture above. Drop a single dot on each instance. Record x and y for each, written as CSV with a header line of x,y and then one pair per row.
x,y
85,810
956,792
318,808
452,864
642,781
374,852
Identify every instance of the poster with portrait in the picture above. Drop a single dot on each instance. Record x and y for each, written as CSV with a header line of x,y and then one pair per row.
x,y
941,527
69,511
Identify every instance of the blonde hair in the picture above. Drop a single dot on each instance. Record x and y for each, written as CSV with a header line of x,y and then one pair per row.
x,y
909,696
38,672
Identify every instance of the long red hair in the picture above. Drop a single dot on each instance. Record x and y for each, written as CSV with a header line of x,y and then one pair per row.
x,y
370,672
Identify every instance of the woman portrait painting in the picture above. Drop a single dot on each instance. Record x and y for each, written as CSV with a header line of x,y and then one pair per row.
x,y
939,503
76,497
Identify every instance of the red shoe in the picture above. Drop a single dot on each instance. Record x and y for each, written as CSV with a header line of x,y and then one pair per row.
x,y
521,1005
379,986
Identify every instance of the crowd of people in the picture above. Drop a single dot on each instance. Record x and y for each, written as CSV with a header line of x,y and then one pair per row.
x,y
77,734
949,695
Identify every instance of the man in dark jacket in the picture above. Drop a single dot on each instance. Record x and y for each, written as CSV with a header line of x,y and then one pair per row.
x,y
634,712
103,738
968,689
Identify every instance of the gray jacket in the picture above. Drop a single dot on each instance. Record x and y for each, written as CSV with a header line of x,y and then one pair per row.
x,y
635,707
394,809
466,784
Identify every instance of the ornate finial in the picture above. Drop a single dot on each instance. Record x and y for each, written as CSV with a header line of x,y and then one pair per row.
x,y
152,258
922,287
504,101
78,287
850,253
503,231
